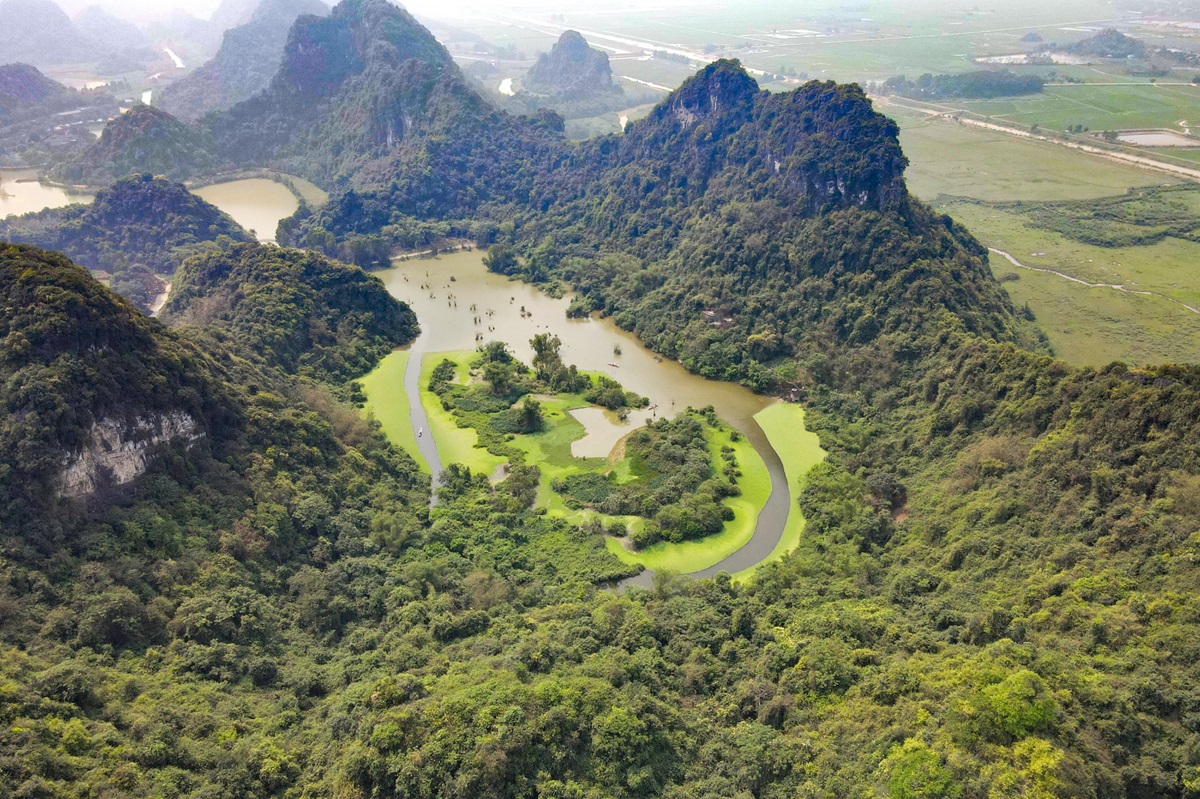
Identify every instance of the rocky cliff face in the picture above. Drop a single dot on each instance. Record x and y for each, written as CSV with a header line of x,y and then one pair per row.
x,y
91,390
117,452
571,70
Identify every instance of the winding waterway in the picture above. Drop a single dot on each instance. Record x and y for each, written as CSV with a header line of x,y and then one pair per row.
x,y
442,292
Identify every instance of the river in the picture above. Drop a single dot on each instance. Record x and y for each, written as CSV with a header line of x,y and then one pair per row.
x,y
20,193
514,312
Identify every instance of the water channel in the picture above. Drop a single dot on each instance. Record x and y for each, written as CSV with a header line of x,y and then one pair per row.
x,y
514,312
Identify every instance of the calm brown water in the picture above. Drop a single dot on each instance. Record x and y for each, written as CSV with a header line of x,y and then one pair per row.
x,y
256,204
448,323
20,193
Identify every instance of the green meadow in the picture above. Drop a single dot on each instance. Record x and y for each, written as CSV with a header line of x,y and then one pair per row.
x,y
455,444
947,158
387,402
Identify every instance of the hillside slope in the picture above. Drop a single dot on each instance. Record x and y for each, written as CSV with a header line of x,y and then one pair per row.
x,y
366,97
137,228
145,139
91,388
305,313
250,55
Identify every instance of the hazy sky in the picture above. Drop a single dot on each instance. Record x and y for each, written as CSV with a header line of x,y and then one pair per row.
x,y
142,10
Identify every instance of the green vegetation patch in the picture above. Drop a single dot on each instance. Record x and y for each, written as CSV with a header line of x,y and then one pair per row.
x,y
455,444
387,402
957,159
674,481
1095,326
1111,106
690,556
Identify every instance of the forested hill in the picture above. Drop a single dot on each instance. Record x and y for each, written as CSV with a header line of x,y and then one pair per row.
x,y
80,369
787,212
367,96
570,70
22,85
304,313
138,227
247,61
145,139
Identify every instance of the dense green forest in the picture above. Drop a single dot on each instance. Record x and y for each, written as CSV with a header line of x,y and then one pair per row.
x,y
144,139
136,229
304,313
991,524
994,595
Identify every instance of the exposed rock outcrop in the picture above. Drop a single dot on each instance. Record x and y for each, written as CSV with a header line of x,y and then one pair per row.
x,y
118,452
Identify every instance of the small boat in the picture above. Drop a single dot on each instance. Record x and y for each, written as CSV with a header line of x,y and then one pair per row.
x,y
617,365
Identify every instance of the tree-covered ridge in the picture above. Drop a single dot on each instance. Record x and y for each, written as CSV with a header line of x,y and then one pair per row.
x,y
144,139
22,85
368,97
137,228
247,61
304,313
716,139
74,354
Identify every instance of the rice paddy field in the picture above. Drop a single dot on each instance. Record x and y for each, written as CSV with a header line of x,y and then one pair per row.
x,y
1099,106
947,158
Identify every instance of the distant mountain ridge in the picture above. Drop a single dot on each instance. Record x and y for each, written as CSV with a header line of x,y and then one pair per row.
x,y
249,57
39,32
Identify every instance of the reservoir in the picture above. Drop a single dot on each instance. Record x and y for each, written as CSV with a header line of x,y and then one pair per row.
x,y
20,193
256,204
